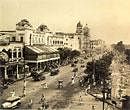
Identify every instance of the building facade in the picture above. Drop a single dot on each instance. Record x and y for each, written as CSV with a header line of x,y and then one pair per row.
x,y
25,36
12,65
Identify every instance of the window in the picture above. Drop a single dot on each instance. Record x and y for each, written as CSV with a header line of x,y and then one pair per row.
x,y
19,54
61,42
39,40
42,40
21,39
13,39
30,39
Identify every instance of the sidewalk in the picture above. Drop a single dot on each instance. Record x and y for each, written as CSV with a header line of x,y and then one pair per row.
x,y
109,102
85,102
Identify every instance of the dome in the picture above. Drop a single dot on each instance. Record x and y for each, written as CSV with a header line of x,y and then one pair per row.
x,y
43,28
3,57
79,24
23,24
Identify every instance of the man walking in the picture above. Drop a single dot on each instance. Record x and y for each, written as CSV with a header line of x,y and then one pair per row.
x,y
72,80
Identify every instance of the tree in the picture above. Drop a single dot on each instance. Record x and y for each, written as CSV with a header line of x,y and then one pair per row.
x,y
67,54
74,53
64,54
127,52
101,68
120,47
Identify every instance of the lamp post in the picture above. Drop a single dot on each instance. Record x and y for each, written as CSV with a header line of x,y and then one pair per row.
x,y
24,85
93,60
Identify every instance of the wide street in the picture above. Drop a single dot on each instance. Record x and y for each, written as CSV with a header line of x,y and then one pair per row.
x,y
66,98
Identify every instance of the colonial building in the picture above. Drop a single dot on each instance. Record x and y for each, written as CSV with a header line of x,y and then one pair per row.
x,y
12,64
43,43
83,35
42,35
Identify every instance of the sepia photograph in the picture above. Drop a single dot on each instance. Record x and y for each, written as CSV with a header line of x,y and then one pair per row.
x,y
64,55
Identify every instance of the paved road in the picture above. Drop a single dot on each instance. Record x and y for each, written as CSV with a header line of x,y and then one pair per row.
x,y
66,98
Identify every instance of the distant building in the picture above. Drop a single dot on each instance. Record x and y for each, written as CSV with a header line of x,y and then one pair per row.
x,y
84,37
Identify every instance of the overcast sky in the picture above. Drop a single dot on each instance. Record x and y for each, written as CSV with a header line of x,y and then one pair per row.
x,y
107,19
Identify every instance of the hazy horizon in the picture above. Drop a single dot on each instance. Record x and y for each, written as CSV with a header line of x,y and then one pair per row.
x,y
107,19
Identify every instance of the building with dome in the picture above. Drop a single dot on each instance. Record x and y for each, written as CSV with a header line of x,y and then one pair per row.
x,y
84,37
42,44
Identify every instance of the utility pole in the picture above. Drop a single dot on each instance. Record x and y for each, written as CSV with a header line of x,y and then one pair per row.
x,y
103,91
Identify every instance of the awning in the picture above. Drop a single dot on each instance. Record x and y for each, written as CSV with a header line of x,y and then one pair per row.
x,y
40,49
40,53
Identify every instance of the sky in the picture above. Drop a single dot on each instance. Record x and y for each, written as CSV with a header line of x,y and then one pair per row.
x,y
107,19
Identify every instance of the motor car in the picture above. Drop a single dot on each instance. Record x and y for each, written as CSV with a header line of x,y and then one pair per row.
x,y
98,96
54,71
12,102
85,57
75,70
73,65
76,61
82,66
38,75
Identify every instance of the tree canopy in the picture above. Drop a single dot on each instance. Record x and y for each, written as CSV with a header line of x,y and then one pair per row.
x,y
120,47
67,54
101,67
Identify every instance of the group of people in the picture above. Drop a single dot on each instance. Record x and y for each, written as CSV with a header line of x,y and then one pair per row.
x,y
43,102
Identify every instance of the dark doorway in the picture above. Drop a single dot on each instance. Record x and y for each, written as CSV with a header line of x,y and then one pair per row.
x,y
126,103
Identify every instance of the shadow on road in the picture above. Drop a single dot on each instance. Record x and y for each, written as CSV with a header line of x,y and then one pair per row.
x,y
64,96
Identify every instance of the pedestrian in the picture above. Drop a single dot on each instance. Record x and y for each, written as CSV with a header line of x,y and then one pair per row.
x,y
43,98
88,87
12,93
30,104
60,83
45,85
80,100
72,80
86,91
93,108
75,74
